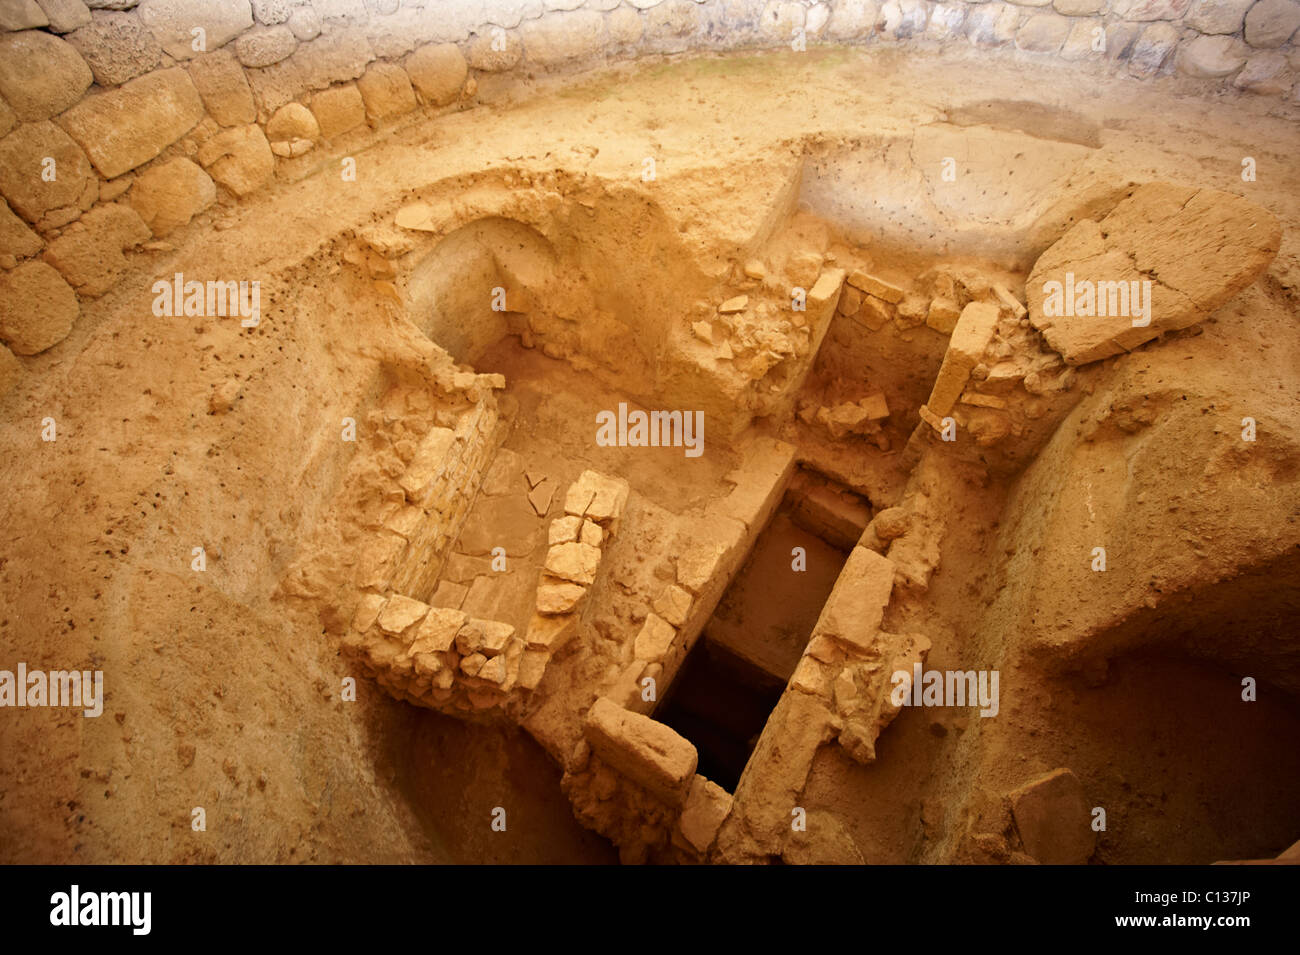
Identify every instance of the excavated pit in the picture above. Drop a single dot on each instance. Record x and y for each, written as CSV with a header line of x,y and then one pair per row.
x,y
421,473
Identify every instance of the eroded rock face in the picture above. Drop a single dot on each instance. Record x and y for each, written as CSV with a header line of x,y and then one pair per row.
x,y
37,308
25,153
40,75
239,158
168,196
1163,259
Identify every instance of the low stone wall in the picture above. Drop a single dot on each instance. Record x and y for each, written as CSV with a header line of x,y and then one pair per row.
x,y
145,112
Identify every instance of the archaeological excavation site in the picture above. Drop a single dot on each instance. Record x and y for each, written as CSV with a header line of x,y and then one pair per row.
x,y
582,432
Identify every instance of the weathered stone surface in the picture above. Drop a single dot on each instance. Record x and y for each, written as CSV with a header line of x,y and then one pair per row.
x,y
1142,11
65,15
37,308
238,158
171,22
597,497
1078,8
22,155
1082,39
16,238
262,47
561,37
22,15
117,47
224,88
673,604
488,637
170,195
1043,33
558,597
386,91
438,72
41,75
293,121
304,23
1270,23
438,632
1152,49
644,750
132,124
89,252
655,639
1210,57
11,371
575,561
549,633
401,612
970,337
333,58
856,606
903,19
707,807
624,26
484,56
1267,73
1217,16
338,110
272,12
992,24
1053,818
1197,247
875,286
7,118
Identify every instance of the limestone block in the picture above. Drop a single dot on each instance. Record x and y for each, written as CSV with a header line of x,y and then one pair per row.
x,y
65,15
483,56
401,612
707,807
673,604
37,308
89,252
429,461
22,15
172,22
573,561
16,238
338,110
367,612
970,337
128,126
646,751
554,597
874,286
41,75
437,633
291,122
23,155
1217,16
655,639
169,195
224,88
1211,57
1270,23
117,47
265,46
239,158
438,72
560,37
856,606
549,633
386,91
1053,818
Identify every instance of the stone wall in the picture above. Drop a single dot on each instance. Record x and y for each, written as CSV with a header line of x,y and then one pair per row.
x,y
120,121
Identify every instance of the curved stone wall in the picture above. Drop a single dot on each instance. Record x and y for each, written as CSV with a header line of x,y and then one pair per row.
x,y
121,120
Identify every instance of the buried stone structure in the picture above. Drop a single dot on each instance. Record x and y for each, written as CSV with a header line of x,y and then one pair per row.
x,y
673,500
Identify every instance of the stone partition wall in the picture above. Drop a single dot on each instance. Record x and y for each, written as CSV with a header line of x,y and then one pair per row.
x,y
120,120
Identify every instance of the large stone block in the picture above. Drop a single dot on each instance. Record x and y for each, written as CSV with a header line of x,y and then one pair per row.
x,y
41,75
22,15
37,308
117,46
562,37
65,15
438,72
970,337
1053,818
1211,57
338,110
224,88
386,91
1217,16
263,47
645,750
16,238
239,158
23,155
1270,23
127,127
856,605
173,23
1195,249
89,252
170,195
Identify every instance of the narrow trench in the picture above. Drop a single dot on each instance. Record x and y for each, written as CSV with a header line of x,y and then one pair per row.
x,y
735,674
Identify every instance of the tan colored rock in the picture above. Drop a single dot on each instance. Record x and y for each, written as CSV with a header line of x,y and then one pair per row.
x,y
856,606
597,497
1013,304
169,195
564,529
401,612
22,15
574,562
1217,16
65,15
41,75
438,72
386,91
484,56
127,127
1270,23
367,611
224,88
943,315
554,597
239,158
171,22
488,637
549,633
562,37
22,159
89,252
293,121
1196,247
646,751
37,308
117,47
338,110
11,371
16,238
673,604
437,632
706,809
1211,57
1054,820
429,461
655,639
733,305
970,337
874,286
265,46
